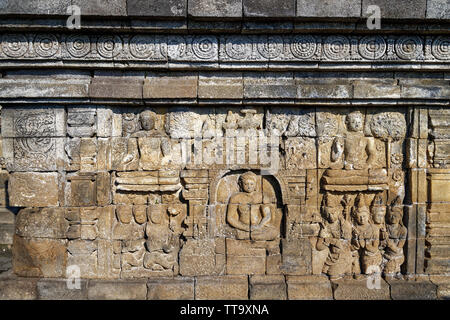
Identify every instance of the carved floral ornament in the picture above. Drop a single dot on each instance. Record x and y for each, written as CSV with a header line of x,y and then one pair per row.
x,y
229,48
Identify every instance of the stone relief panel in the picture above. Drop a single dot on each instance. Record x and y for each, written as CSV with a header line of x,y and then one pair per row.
x,y
152,191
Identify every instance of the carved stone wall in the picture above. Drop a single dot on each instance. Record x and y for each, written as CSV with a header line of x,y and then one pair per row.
x,y
230,147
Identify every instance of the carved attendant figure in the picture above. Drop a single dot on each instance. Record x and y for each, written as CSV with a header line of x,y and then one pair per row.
x,y
366,238
393,254
335,234
248,211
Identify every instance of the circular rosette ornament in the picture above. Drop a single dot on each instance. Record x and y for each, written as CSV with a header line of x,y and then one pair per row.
x,y
303,46
14,45
270,47
441,48
46,45
238,47
409,47
109,46
78,45
372,47
143,47
337,47
205,47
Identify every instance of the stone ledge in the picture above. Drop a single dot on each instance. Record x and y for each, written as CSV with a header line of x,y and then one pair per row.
x,y
233,9
224,288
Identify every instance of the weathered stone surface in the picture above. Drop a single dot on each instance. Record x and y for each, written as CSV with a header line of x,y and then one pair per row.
x,y
324,8
309,288
157,8
62,289
438,9
102,7
171,289
33,189
45,223
214,86
170,87
215,8
267,288
365,289
116,88
418,289
39,257
11,88
197,258
117,290
221,288
57,7
269,8
18,289
396,9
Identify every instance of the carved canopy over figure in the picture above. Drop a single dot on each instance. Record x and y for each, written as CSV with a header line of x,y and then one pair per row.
x,y
251,213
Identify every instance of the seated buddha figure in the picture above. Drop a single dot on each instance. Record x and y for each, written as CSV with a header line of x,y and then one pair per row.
x,y
251,213
357,150
357,154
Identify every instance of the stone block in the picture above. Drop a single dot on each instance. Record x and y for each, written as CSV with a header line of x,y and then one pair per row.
x,y
245,257
365,289
18,289
197,258
269,8
116,88
221,288
61,289
415,289
215,8
275,87
54,7
296,257
102,7
31,189
179,288
309,288
220,87
173,86
438,9
39,257
267,288
117,290
324,91
328,9
157,8
400,9
364,90
37,88
44,223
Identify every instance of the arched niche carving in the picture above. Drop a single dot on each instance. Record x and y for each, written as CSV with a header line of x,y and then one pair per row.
x,y
248,205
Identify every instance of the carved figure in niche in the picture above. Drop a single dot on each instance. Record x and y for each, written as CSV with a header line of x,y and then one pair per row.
x,y
252,213
163,233
335,235
396,238
358,151
365,239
